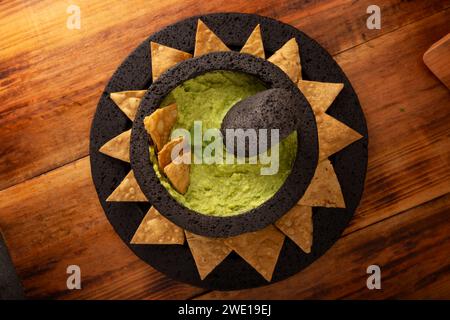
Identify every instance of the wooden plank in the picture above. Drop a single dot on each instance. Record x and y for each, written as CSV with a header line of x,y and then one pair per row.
x,y
407,111
51,77
42,231
55,220
345,25
411,249
437,59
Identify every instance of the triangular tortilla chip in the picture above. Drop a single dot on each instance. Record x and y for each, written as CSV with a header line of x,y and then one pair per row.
x,y
287,58
208,253
118,147
254,44
156,229
320,95
260,249
128,190
324,189
207,41
333,135
165,57
128,101
297,224
165,155
178,175
159,124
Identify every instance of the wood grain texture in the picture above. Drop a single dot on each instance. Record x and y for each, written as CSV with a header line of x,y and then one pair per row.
x,y
408,114
51,77
54,221
419,237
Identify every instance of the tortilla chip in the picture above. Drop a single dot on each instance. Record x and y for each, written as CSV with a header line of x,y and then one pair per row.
x,y
287,58
118,147
208,253
297,224
207,41
260,249
128,190
165,155
178,175
320,95
128,101
254,44
324,189
165,57
156,229
333,135
159,124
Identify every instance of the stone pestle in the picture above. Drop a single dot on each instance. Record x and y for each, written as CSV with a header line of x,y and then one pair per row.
x,y
272,109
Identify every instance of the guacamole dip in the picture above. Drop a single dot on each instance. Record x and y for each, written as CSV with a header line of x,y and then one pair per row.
x,y
223,189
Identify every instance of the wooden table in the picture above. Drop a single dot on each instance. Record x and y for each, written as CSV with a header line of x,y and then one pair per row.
x,y
51,79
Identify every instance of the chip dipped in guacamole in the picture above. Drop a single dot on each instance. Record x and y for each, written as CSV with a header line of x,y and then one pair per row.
x,y
222,189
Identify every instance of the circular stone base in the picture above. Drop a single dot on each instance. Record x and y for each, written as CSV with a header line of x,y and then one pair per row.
x,y
175,260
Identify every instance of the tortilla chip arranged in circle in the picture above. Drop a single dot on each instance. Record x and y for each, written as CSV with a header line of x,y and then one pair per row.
x,y
118,147
165,155
128,101
207,41
324,189
128,190
159,124
208,252
297,224
178,174
320,95
333,135
287,58
165,57
156,229
260,249
254,44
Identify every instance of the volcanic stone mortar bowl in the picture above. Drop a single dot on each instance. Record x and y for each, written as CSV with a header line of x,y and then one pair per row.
x,y
176,260
268,212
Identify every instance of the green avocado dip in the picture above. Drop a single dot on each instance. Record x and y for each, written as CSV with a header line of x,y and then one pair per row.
x,y
223,189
